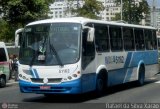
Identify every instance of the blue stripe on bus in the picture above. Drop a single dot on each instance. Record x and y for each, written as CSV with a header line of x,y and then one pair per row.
x,y
133,59
32,73
148,57
128,59
36,73
128,72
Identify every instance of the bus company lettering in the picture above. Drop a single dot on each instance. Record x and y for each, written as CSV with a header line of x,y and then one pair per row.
x,y
114,59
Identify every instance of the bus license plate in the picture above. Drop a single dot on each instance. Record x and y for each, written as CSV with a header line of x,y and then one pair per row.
x,y
45,87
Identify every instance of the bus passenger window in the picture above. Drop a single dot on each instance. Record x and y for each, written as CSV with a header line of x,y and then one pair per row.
x,y
101,37
154,40
128,38
115,38
148,41
139,39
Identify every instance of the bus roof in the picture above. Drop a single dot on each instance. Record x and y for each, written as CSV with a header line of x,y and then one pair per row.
x,y
19,30
83,21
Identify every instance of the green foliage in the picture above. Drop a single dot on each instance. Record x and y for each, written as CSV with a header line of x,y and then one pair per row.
x,y
90,9
133,13
6,32
24,11
17,13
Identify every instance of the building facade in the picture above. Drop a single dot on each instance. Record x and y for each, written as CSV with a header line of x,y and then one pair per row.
x,y
62,8
110,9
155,17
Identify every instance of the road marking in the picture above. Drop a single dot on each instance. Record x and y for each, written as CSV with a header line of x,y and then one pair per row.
x,y
157,82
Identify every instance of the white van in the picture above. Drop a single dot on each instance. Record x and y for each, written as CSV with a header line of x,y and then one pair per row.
x,y
4,65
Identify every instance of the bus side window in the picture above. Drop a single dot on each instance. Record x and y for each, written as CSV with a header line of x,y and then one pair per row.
x,y
101,37
116,38
128,38
154,39
88,48
139,39
148,41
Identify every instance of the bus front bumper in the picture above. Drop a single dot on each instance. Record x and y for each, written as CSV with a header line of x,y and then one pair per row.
x,y
71,87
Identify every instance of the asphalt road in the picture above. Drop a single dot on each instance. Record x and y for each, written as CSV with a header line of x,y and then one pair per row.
x,y
126,93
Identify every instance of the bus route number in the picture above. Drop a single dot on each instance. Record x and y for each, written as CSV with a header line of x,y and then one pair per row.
x,y
64,71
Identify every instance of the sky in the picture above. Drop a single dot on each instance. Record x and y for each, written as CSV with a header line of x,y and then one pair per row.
x,y
157,2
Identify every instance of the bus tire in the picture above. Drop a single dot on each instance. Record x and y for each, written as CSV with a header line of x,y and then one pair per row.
x,y
141,76
100,84
2,81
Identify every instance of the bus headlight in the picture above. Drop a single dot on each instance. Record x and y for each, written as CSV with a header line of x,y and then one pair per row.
x,y
69,77
24,77
74,75
21,77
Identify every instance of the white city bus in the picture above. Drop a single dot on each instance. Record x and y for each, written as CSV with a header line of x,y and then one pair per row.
x,y
78,55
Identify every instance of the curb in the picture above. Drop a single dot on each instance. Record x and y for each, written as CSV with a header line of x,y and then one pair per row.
x,y
10,82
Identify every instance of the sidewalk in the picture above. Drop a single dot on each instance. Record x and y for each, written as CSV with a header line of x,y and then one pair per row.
x,y
12,81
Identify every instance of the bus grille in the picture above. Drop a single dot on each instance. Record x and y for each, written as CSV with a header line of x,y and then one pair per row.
x,y
50,80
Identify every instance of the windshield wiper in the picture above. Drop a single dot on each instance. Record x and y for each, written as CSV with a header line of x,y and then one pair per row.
x,y
56,54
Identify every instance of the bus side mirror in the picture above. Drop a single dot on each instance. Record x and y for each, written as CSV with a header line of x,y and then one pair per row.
x,y
17,40
90,36
18,36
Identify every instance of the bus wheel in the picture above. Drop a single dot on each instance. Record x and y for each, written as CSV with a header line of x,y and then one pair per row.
x,y
2,81
141,76
100,84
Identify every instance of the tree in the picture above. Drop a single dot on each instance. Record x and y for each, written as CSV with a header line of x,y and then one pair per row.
x,y
90,9
6,31
133,12
17,13
24,11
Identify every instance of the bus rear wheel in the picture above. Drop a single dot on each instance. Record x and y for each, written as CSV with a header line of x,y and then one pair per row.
x,y
141,76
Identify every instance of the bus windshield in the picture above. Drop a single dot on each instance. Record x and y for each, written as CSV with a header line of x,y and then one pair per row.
x,y
50,44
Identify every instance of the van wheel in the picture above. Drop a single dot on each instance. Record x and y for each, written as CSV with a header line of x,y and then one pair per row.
x,y
141,76
2,81
100,84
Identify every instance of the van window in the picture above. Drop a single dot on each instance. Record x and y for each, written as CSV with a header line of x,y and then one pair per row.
x,y
2,55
